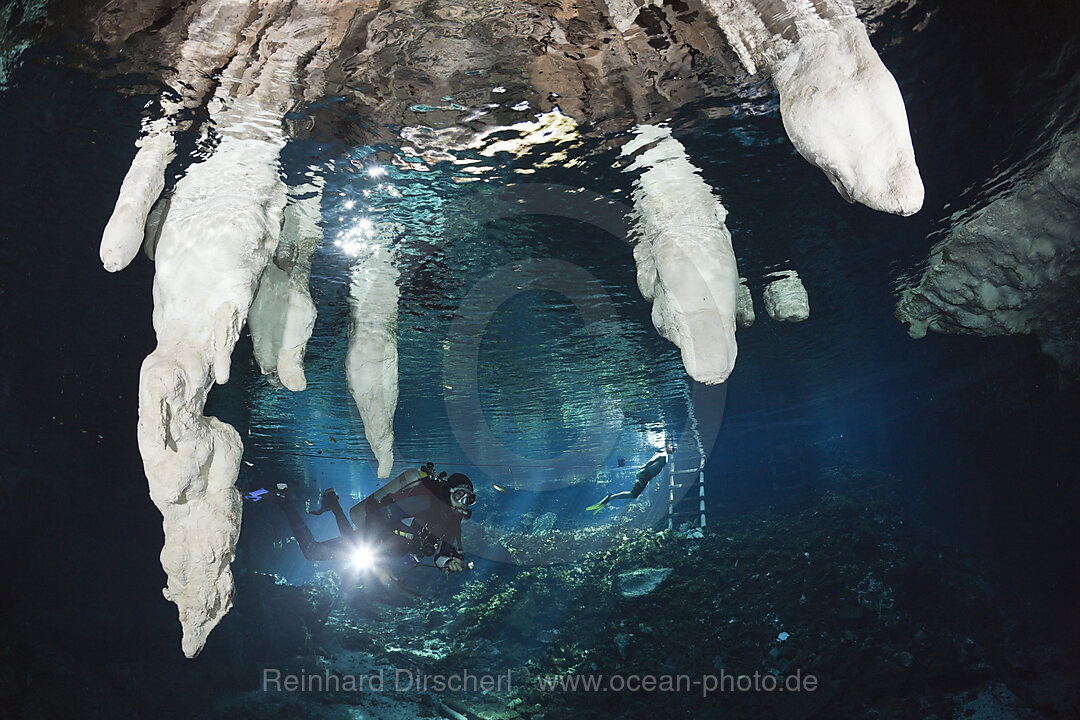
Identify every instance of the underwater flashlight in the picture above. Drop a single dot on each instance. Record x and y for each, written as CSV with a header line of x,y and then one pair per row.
x,y
364,557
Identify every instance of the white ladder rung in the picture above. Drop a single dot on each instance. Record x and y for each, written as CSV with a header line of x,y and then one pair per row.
x,y
686,493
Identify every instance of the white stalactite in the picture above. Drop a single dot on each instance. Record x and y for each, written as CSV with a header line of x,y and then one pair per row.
x,y
371,369
283,314
841,107
785,297
142,185
212,39
213,243
685,263
744,306
221,231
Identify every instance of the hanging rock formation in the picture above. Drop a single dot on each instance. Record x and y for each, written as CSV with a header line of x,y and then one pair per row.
x,y
685,264
213,244
785,297
744,305
282,314
371,362
1012,268
841,108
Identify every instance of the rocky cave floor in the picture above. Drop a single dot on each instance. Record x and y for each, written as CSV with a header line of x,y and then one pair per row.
x,y
847,591
844,588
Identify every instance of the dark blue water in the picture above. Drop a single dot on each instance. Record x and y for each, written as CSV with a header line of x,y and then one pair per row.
x,y
968,441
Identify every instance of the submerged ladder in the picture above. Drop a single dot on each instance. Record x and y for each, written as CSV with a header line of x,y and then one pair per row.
x,y
686,489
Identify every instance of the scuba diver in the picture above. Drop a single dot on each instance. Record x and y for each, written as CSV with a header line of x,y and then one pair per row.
x,y
416,515
648,471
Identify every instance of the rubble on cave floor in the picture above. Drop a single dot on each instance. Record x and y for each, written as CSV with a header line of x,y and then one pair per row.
x,y
845,591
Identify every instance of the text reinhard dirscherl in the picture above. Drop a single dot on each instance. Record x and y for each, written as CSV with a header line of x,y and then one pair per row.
x,y
399,680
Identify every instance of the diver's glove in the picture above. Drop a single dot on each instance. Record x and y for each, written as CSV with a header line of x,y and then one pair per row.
x,y
456,565
452,563
327,501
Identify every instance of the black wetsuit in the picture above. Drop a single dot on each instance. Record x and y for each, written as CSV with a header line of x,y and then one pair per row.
x,y
314,550
419,521
648,471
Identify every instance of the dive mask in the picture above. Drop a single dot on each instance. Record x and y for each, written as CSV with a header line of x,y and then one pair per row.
x,y
463,496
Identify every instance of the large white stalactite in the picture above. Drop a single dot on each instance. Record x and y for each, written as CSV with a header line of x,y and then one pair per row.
x,y
841,107
212,249
219,233
371,361
685,263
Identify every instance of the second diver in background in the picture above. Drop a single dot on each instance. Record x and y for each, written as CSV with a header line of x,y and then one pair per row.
x,y
648,471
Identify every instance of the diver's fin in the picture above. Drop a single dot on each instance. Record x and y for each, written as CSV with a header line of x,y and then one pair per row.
x,y
597,507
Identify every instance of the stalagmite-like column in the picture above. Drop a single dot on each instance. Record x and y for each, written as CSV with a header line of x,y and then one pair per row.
x,y
283,313
371,362
214,242
841,107
685,264
785,297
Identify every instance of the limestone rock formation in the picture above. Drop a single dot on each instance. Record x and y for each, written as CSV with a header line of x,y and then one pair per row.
x,y
213,244
282,314
1012,268
841,107
685,263
744,305
785,297
635,583
371,362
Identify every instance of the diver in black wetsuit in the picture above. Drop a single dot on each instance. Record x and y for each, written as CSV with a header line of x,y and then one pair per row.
x,y
315,550
648,471
417,515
